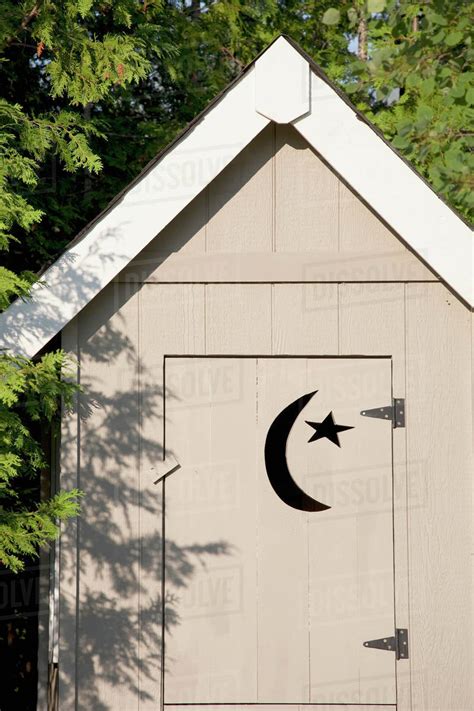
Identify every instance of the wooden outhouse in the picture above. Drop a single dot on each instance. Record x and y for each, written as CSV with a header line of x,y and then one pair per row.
x,y
272,326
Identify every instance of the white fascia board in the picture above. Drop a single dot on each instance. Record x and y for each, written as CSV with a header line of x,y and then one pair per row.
x,y
142,212
390,187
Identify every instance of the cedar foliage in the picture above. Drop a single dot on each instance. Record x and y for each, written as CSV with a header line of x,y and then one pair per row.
x,y
54,61
29,392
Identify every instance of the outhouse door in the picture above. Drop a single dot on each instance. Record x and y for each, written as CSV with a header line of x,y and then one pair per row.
x,y
278,531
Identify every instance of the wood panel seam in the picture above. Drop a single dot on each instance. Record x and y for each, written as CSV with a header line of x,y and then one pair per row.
x,y
405,318
274,168
139,467
77,556
296,282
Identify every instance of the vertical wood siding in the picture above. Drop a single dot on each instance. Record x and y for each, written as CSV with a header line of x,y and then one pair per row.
x,y
109,550
68,545
440,466
276,197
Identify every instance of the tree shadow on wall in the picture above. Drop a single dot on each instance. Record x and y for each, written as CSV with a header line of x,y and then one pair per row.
x,y
114,650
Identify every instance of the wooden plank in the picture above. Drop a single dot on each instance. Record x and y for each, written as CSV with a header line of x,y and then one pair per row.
x,y
171,319
68,544
305,318
440,521
283,621
350,544
107,674
371,322
238,319
211,652
296,328
308,267
241,200
383,307
306,197
360,229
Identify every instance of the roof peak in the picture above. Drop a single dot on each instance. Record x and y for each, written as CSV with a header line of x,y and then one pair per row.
x,y
283,85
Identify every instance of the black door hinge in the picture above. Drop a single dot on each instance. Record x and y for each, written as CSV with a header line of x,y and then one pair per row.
x,y
395,412
397,644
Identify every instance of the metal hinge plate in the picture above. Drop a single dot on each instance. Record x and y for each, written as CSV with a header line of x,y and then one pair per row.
x,y
395,412
397,644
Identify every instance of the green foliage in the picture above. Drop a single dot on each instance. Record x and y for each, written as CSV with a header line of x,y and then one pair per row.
x,y
418,87
12,285
429,57
29,393
24,143
68,61
64,55
24,532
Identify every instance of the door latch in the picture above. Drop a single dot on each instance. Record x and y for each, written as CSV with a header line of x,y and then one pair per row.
x,y
165,467
397,644
394,412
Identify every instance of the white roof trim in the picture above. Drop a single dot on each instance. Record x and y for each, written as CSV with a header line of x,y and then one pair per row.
x,y
331,127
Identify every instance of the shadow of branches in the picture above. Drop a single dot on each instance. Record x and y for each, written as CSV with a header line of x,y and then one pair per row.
x,y
112,650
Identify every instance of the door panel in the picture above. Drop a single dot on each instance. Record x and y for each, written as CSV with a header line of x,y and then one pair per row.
x,y
272,604
211,651
351,544
283,610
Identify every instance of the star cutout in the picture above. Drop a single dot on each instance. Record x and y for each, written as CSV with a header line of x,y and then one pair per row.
x,y
327,428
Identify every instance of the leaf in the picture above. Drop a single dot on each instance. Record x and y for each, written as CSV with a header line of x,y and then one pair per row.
x,y
405,128
453,160
439,37
400,142
454,38
331,16
351,88
352,16
437,19
376,6
470,96
427,86
413,80
424,117
458,90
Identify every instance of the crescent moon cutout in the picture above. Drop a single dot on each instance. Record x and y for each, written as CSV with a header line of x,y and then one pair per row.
x,y
278,473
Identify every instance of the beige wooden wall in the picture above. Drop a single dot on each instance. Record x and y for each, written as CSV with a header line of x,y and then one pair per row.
x,y
276,257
